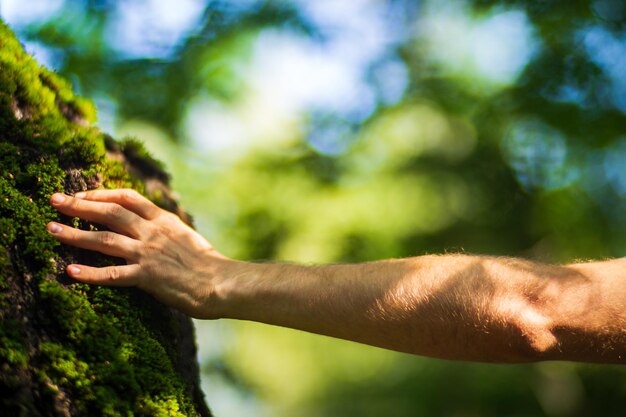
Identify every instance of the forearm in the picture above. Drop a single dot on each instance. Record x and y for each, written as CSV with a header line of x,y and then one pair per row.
x,y
453,306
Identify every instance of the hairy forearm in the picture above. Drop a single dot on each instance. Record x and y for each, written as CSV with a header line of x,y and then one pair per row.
x,y
449,306
452,306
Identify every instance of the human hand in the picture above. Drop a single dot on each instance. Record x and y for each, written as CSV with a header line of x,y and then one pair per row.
x,y
165,257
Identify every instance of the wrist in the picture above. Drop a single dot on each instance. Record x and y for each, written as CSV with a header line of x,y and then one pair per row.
x,y
233,286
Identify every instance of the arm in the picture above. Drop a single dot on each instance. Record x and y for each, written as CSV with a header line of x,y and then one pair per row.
x,y
451,306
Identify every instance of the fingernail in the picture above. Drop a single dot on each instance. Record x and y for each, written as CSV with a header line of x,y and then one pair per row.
x,y
82,194
58,199
54,228
74,270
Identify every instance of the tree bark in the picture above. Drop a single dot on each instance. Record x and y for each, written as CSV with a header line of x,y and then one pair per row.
x,y
68,349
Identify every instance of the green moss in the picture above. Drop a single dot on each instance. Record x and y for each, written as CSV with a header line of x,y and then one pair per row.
x,y
116,176
80,107
136,150
94,343
162,407
12,347
28,216
105,353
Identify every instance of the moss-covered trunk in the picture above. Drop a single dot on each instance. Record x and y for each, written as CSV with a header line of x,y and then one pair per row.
x,y
68,349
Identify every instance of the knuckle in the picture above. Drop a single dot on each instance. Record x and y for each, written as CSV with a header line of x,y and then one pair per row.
x,y
129,194
149,268
74,234
107,238
114,211
113,274
168,218
75,203
164,231
148,254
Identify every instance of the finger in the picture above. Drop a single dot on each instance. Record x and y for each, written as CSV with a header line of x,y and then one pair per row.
x,y
109,243
127,198
112,215
119,275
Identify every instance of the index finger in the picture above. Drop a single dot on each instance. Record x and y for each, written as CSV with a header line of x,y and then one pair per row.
x,y
127,198
112,215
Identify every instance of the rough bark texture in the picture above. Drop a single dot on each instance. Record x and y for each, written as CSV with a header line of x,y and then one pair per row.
x,y
68,349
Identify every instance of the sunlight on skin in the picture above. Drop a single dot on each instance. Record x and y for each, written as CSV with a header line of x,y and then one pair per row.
x,y
518,307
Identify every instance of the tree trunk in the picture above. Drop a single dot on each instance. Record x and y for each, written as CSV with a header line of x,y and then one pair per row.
x,y
68,349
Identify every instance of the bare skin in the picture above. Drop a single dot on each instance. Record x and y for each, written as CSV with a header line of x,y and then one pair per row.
x,y
461,307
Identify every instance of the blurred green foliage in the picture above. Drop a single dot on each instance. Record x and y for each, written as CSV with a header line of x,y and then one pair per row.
x,y
517,154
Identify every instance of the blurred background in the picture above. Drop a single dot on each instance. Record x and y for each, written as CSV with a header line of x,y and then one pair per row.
x,y
346,131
